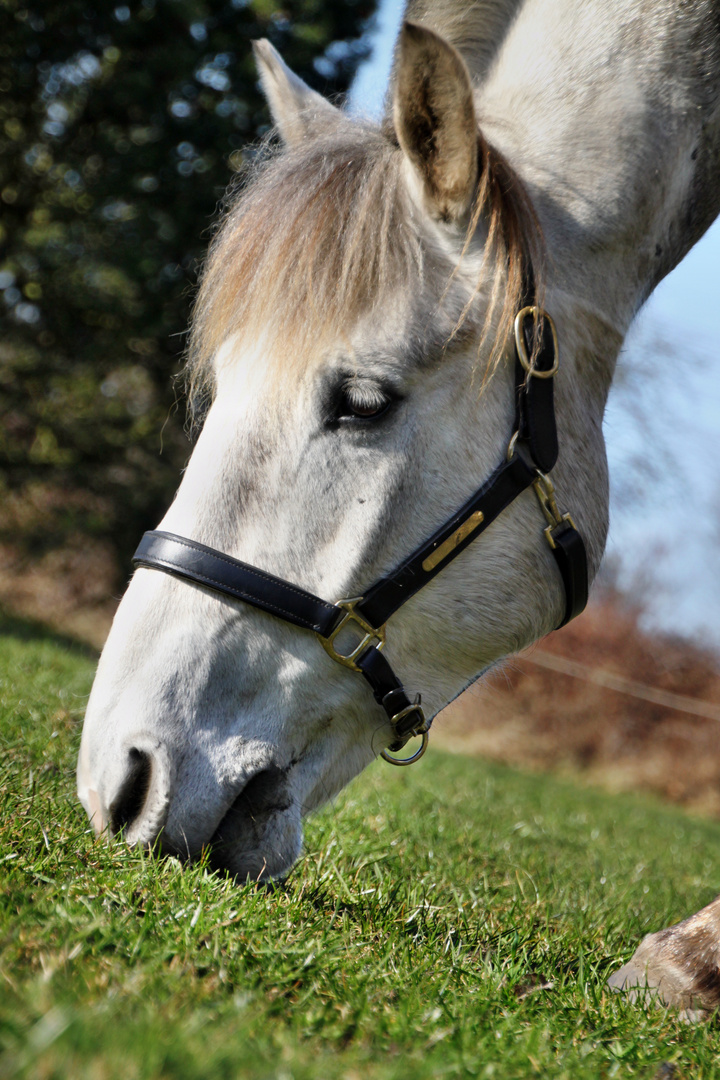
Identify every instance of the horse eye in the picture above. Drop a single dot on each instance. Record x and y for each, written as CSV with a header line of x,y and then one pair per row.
x,y
362,404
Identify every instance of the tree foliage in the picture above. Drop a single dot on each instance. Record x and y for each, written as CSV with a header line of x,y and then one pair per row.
x,y
120,128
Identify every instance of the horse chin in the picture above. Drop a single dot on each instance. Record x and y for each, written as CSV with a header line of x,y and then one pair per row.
x,y
260,836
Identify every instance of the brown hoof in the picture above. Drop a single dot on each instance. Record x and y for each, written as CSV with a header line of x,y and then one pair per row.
x,y
678,967
646,980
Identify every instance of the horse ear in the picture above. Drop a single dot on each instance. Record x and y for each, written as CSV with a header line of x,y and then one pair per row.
x,y
435,120
297,111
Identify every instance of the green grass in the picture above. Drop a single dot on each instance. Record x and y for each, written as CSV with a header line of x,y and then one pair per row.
x,y
430,901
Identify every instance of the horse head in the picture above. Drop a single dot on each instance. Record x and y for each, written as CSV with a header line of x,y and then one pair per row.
x,y
351,350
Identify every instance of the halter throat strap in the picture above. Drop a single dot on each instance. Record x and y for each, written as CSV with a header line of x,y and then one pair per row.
x,y
532,453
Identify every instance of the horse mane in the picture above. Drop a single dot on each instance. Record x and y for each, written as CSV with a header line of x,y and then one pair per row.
x,y
320,235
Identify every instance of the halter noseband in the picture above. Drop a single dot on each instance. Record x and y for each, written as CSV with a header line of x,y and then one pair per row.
x,y
531,454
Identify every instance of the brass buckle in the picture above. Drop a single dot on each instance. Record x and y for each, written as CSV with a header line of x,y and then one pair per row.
x,y
370,634
545,491
522,348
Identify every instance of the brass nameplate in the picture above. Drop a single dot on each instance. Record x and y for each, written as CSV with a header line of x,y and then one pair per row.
x,y
452,542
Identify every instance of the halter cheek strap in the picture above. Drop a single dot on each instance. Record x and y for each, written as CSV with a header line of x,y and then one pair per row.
x,y
532,453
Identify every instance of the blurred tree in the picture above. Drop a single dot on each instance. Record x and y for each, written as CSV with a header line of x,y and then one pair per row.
x,y
120,127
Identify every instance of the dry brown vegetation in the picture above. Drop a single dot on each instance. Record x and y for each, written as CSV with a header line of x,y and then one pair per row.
x,y
528,715
69,589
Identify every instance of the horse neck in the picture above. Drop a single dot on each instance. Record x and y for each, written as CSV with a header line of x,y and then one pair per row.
x,y
608,110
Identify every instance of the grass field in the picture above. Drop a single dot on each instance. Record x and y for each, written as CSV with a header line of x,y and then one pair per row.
x,y
453,919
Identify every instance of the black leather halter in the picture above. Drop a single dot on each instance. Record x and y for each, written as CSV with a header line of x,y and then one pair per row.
x,y
532,453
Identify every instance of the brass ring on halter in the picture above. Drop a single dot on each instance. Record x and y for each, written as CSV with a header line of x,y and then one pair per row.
x,y
414,757
528,364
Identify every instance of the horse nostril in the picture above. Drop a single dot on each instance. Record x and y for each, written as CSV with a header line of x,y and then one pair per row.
x,y
132,795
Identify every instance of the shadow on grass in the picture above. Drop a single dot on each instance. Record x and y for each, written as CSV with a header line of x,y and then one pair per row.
x,y
32,630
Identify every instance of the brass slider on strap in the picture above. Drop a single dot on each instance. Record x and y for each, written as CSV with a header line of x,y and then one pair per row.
x,y
453,541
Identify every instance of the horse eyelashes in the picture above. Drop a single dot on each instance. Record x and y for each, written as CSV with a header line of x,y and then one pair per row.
x,y
362,399
363,404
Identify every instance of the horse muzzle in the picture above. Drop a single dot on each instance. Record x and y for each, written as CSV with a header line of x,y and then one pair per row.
x,y
251,828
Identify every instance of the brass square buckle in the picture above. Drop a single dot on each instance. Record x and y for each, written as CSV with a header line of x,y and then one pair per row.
x,y
370,635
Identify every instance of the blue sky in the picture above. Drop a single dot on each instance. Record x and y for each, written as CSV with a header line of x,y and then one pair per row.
x,y
661,425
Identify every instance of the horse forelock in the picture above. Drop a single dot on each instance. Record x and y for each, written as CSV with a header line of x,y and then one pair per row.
x,y
325,234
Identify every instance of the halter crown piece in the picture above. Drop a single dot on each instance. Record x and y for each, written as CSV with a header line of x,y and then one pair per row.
x,y
531,454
